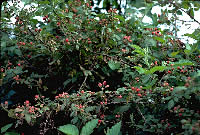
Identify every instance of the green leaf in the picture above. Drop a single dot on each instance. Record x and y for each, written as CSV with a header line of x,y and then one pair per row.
x,y
67,82
159,39
28,118
69,129
179,89
122,109
6,127
115,130
170,104
173,54
11,133
140,69
179,12
89,127
113,65
183,62
121,18
138,49
192,12
26,1
156,68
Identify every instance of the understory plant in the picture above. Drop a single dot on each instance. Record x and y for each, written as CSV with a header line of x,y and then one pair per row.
x,y
75,71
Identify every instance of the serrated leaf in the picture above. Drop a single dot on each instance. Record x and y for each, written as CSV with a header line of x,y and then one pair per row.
x,y
122,109
6,127
69,129
121,18
156,68
183,62
140,69
11,133
170,104
113,65
89,127
67,82
173,54
115,130
159,39
28,118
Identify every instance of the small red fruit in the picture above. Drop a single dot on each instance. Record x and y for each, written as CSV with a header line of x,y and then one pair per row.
x,y
169,72
27,102
6,102
82,91
99,121
58,23
66,40
100,85
139,94
120,96
104,83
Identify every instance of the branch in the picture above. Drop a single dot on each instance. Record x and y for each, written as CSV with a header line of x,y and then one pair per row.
x,y
83,82
141,114
186,13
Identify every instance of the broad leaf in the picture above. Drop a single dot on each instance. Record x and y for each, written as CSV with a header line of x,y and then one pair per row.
x,y
6,127
115,130
89,127
170,104
69,129
114,65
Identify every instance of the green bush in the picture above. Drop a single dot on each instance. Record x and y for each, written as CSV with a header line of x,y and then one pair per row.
x,y
85,71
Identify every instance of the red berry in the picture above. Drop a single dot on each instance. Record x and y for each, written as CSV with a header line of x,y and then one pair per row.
x,y
172,89
120,96
104,83
169,72
6,102
67,40
58,23
133,88
36,96
107,86
139,94
82,91
158,15
31,43
137,89
19,64
99,121
100,84
101,103
27,102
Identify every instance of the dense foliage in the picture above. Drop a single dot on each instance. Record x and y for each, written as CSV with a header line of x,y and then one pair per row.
x,y
78,71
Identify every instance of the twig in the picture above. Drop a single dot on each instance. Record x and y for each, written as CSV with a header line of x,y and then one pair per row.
x,y
83,82
185,12
141,114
